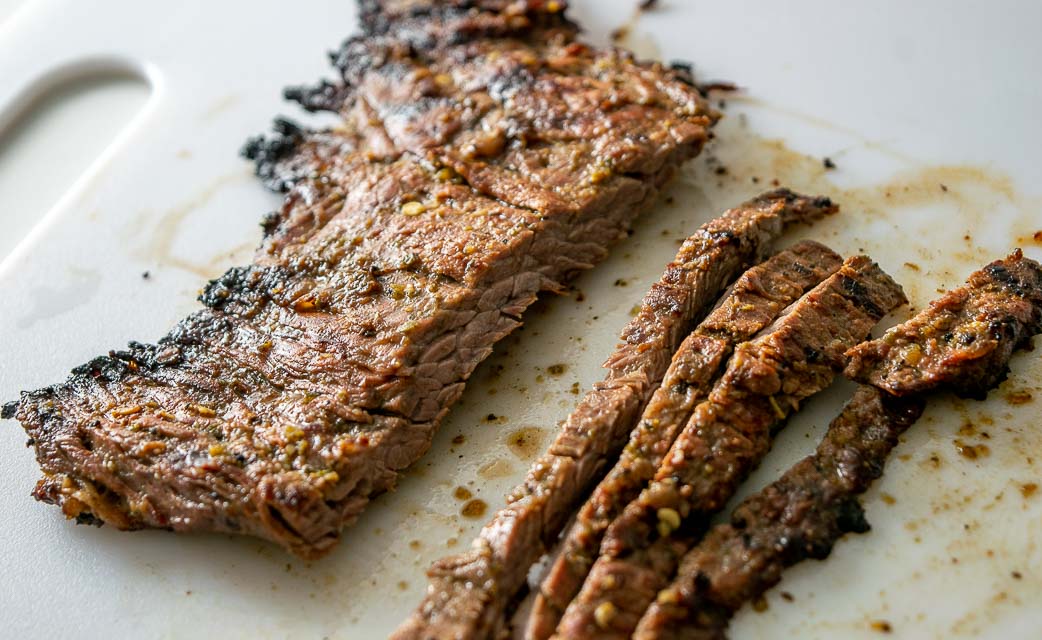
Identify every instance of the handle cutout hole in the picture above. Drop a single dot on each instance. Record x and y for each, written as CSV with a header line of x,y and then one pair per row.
x,y
55,137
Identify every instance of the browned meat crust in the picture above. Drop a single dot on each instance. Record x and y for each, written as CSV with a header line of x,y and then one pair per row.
x,y
963,340
804,513
464,181
752,303
724,440
799,516
529,116
469,594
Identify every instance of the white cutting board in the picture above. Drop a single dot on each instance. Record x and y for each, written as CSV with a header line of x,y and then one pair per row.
x,y
903,97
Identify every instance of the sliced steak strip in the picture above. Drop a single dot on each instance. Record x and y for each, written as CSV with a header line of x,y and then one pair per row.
x,y
804,513
799,516
752,303
469,594
971,329
726,437
317,373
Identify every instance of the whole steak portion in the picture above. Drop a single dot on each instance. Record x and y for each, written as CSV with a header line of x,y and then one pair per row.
x,y
463,182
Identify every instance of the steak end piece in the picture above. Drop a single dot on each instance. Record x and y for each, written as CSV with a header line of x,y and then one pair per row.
x,y
483,157
963,340
469,594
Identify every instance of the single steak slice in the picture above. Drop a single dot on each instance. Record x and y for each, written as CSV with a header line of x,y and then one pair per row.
x,y
752,302
797,517
962,340
469,594
726,437
313,376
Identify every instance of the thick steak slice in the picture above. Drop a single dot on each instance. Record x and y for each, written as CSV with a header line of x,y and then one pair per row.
x,y
799,516
314,375
469,594
726,437
751,304
963,340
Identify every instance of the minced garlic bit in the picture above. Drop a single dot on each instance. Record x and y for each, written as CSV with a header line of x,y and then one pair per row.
x,y
777,408
668,596
413,208
913,355
123,412
670,517
202,410
604,614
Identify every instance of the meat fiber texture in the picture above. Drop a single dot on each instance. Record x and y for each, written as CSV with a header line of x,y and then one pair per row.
x,y
801,515
484,156
962,341
470,593
751,303
728,434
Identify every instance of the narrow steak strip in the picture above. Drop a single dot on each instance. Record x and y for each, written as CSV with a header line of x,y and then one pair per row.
x,y
724,440
468,594
411,239
804,513
961,341
752,303
800,516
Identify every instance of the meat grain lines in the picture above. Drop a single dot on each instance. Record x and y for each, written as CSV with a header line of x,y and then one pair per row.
x,y
962,341
751,304
799,516
697,439
470,593
484,156
726,437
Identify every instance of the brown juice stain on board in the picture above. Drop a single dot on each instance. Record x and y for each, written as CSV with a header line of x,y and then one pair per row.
x,y
905,205
629,36
527,442
972,451
162,236
220,106
496,469
474,509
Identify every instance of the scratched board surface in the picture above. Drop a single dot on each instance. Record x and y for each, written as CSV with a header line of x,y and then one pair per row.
x,y
928,114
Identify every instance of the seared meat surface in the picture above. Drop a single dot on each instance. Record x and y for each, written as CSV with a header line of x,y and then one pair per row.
x,y
765,381
469,594
799,516
467,177
963,340
751,304
815,502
